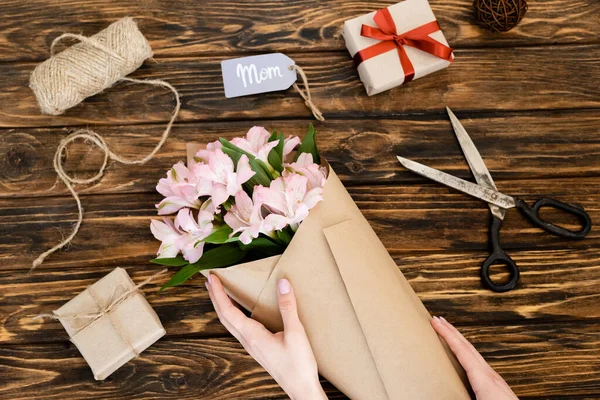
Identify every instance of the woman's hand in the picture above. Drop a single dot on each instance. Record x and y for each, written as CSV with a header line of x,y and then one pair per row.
x,y
286,355
486,383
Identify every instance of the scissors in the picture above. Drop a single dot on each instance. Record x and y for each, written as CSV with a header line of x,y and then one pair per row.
x,y
485,189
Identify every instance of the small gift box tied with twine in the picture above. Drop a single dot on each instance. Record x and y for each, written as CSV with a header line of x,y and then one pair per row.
x,y
110,322
396,44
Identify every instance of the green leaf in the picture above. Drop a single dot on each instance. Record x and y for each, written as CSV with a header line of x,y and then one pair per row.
x,y
261,177
284,236
219,257
233,154
263,246
170,262
259,243
276,154
228,145
309,145
274,136
220,236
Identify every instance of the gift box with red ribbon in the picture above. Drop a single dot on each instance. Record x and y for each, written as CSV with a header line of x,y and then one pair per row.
x,y
396,44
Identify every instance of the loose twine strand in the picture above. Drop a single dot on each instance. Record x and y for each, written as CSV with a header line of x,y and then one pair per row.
x,y
90,136
306,95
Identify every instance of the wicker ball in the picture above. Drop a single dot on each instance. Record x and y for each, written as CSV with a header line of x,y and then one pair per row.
x,y
499,15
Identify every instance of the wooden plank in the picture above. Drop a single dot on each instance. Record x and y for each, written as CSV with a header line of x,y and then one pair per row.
x,y
485,79
539,360
556,285
412,217
201,27
514,146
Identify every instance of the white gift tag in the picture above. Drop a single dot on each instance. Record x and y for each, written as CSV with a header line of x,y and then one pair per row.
x,y
257,74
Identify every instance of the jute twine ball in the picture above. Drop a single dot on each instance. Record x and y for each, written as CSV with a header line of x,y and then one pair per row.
x,y
499,15
88,67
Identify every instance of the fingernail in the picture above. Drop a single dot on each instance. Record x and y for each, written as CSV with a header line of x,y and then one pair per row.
x,y
207,285
443,319
208,277
436,318
284,286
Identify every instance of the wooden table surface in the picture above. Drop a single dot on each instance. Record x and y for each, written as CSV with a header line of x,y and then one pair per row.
x,y
530,100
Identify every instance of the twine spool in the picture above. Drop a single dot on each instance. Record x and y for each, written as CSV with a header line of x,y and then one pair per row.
x,y
89,67
83,70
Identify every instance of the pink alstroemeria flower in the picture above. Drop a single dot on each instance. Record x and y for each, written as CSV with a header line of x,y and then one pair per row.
x,y
181,188
314,173
289,200
220,171
290,144
256,143
246,217
168,234
203,155
193,231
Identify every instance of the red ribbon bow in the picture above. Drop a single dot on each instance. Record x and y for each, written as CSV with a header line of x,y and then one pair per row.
x,y
390,39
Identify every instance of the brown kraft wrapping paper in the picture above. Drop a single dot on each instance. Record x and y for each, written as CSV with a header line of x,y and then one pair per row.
x,y
370,333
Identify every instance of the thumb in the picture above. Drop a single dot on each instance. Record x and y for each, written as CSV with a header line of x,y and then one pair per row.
x,y
287,306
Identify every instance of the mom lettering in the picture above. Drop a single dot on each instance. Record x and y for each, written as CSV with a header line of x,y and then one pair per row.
x,y
257,74
250,75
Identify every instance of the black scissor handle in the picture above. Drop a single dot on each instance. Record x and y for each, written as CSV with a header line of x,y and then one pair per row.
x,y
533,214
498,256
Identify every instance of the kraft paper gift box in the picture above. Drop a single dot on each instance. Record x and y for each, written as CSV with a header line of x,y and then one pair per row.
x,y
370,333
408,36
109,339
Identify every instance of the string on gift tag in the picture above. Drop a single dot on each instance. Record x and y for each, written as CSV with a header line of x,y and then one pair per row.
x,y
85,69
265,73
306,96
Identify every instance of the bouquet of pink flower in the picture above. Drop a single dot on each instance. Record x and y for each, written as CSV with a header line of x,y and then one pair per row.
x,y
257,209
241,200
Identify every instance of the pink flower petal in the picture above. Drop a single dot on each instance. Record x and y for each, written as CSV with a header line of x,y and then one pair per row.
x,y
290,144
163,230
275,222
273,196
185,220
204,187
244,171
257,136
219,194
193,253
243,205
173,204
263,153
167,251
313,197
246,237
295,187
233,220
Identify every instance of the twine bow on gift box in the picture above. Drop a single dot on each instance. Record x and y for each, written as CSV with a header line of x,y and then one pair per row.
x,y
80,321
390,39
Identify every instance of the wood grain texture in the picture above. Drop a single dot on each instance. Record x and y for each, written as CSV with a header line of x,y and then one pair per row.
x,y
412,217
239,26
538,360
529,82
529,99
524,145
556,286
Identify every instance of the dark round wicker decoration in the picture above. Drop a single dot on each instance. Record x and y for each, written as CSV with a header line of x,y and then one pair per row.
x,y
499,15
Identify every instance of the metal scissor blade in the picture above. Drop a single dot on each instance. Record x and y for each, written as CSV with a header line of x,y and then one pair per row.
x,y
484,193
478,168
